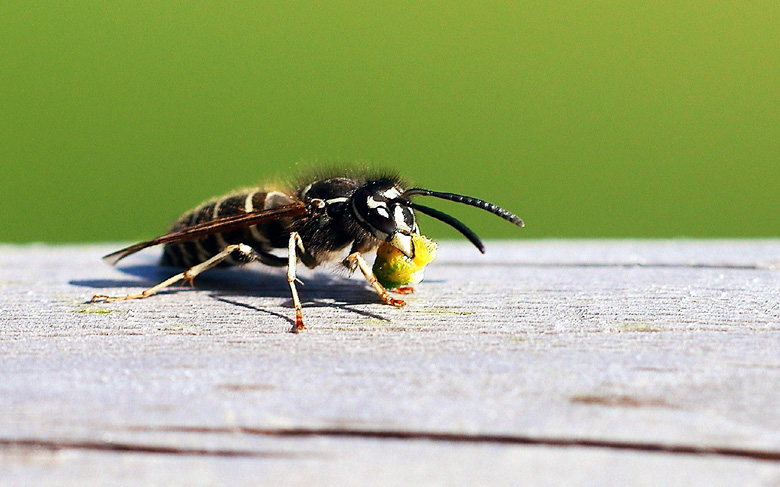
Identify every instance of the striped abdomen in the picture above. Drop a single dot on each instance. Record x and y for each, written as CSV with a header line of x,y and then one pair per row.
x,y
260,237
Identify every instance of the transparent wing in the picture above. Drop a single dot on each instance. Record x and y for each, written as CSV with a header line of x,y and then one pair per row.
x,y
218,225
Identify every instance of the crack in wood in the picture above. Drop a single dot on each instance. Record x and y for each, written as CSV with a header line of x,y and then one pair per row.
x,y
645,447
118,447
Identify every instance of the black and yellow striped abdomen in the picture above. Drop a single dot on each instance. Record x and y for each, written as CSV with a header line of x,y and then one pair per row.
x,y
260,237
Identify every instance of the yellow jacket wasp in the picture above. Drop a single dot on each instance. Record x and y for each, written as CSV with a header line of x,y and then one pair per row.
x,y
317,223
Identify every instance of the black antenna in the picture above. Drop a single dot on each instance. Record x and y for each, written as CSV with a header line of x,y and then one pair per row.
x,y
449,220
466,200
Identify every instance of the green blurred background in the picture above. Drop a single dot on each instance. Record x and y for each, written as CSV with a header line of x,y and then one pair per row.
x,y
587,118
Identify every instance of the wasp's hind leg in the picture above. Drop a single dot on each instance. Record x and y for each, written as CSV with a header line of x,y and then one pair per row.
x,y
356,260
248,254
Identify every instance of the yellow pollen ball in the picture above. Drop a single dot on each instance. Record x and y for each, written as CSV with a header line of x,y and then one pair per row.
x,y
394,269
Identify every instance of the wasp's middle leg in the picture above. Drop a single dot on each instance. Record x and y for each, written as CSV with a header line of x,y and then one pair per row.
x,y
293,245
248,254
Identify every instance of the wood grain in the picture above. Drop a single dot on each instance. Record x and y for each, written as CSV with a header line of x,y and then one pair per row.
x,y
542,363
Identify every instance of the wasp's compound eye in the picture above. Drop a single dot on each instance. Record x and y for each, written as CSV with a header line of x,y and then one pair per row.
x,y
380,214
373,211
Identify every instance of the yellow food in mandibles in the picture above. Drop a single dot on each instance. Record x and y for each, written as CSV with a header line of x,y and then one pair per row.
x,y
394,269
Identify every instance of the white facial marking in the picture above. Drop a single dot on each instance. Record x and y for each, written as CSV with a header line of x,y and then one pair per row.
x,y
382,211
400,221
372,203
391,193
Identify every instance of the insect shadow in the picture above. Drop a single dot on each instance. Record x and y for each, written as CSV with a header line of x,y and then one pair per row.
x,y
310,304
320,289
150,273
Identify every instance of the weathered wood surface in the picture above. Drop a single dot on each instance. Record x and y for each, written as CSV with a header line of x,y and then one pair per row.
x,y
539,363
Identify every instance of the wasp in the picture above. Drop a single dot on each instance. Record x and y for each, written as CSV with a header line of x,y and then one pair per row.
x,y
317,221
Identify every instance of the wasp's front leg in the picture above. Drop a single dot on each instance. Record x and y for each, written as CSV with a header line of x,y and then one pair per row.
x,y
356,260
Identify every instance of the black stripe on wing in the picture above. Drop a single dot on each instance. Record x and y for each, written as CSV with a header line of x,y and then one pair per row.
x,y
218,225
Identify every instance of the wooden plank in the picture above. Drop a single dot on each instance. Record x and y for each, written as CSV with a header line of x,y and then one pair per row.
x,y
649,362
